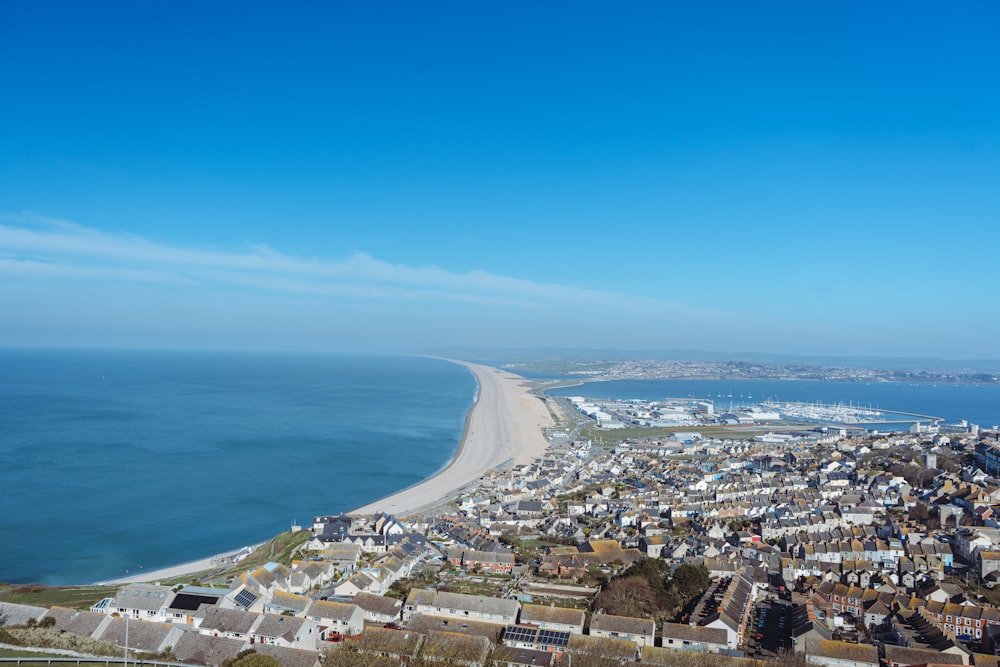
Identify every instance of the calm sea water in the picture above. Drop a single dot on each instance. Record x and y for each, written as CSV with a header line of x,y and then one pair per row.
x,y
979,404
114,460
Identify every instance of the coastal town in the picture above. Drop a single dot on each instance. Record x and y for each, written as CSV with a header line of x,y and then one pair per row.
x,y
725,538
706,369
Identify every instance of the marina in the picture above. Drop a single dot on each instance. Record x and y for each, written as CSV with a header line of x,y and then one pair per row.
x,y
899,402
829,412
686,412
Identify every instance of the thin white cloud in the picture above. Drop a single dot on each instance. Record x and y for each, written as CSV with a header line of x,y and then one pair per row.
x,y
32,268
46,247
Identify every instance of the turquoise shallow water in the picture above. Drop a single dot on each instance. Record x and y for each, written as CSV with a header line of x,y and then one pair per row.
x,y
112,460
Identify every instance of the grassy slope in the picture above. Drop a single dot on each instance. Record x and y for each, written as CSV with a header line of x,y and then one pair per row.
x,y
76,597
280,549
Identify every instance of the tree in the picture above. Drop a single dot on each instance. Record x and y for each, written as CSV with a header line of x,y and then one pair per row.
x,y
654,570
448,649
350,656
915,475
250,658
594,575
690,580
919,512
628,596
373,649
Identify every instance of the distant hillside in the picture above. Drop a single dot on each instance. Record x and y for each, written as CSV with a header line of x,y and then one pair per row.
x,y
538,355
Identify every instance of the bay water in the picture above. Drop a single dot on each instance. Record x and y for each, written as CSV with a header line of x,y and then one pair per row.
x,y
115,461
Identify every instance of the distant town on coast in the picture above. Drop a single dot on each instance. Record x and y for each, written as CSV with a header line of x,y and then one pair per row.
x,y
595,365
579,530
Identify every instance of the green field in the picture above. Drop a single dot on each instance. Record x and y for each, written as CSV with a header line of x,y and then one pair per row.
x,y
41,658
604,437
76,597
14,653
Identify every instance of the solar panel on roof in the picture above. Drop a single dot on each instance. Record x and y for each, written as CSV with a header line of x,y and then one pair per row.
x,y
517,633
532,635
553,637
192,602
245,598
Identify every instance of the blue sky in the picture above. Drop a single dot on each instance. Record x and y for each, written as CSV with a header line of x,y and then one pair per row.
x,y
809,178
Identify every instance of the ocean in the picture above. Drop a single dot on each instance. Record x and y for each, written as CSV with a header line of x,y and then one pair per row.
x,y
115,461
976,403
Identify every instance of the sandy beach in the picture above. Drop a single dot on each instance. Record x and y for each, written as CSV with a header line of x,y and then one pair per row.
x,y
504,426
165,573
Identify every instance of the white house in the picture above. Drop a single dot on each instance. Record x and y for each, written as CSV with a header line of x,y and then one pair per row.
x,y
337,618
642,631
286,631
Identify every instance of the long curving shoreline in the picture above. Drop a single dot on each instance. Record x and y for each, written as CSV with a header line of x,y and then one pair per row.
x,y
504,425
